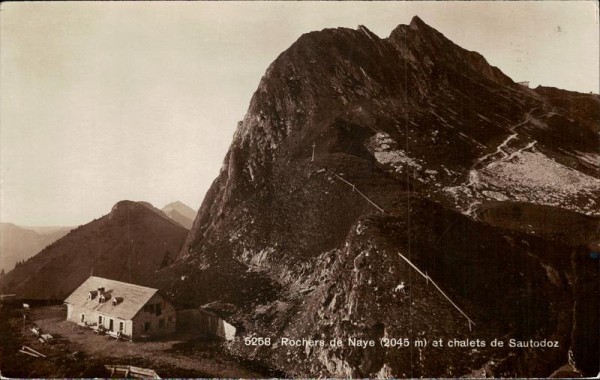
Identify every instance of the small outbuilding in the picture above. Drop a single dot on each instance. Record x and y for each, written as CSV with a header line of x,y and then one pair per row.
x,y
127,310
203,321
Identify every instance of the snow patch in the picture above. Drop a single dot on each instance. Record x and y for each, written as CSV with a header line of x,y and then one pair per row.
x,y
382,146
528,176
397,159
538,173
495,195
590,158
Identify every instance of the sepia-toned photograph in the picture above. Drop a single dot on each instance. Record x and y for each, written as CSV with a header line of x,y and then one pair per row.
x,y
300,189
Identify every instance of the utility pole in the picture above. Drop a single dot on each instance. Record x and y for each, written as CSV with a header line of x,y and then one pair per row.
x,y
313,154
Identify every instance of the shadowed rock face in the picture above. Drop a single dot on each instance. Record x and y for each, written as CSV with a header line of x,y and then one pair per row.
x,y
457,156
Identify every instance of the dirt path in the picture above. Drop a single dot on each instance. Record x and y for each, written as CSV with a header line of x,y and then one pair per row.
x,y
173,358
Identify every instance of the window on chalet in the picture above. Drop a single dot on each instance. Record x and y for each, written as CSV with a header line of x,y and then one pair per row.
x,y
153,308
146,326
161,323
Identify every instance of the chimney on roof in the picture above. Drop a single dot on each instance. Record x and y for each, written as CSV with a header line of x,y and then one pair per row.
x,y
104,295
117,300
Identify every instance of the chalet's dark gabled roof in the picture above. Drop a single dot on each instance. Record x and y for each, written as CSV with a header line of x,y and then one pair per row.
x,y
134,297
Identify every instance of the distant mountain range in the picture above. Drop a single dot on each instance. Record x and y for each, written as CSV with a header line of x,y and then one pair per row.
x,y
18,243
181,213
129,244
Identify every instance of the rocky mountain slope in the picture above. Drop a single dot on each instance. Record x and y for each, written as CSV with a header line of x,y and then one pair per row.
x,y
424,155
133,241
181,213
18,243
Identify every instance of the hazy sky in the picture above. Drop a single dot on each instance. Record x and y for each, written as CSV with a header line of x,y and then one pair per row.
x,y
108,101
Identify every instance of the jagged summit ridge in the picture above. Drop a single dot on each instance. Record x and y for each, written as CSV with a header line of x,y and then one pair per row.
x,y
337,83
427,46
417,48
416,22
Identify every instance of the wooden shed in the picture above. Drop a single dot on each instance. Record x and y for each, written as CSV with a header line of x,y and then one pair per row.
x,y
204,322
132,311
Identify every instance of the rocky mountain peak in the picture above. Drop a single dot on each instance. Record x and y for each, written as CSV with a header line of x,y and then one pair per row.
x,y
321,91
350,136
176,204
180,213
181,208
417,23
417,28
126,209
425,46
126,205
